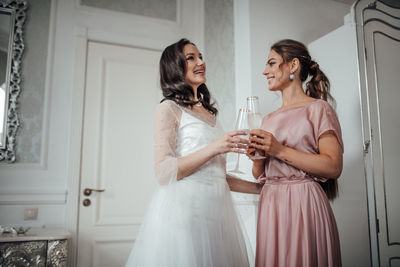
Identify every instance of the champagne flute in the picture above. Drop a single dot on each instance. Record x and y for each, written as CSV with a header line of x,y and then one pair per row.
x,y
241,125
254,119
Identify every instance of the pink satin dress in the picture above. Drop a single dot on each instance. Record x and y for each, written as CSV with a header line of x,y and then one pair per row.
x,y
296,226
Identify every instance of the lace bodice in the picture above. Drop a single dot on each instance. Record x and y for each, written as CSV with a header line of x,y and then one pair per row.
x,y
179,132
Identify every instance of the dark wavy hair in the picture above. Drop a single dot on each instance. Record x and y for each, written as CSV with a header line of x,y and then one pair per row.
x,y
317,87
172,79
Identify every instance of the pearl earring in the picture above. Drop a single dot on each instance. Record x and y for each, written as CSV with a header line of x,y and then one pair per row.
x,y
291,76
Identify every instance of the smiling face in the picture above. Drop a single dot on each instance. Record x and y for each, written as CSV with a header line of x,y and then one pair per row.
x,y
277,72
195,66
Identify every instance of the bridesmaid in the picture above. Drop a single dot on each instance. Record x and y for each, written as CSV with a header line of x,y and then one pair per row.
x,y
303,144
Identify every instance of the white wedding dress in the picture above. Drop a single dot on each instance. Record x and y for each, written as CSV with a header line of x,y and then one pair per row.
x,y
191,222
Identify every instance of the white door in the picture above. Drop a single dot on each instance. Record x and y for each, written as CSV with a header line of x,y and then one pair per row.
x,y
383,56
121,95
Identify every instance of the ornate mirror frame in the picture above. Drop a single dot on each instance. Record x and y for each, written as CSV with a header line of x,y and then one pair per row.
x,y
17,10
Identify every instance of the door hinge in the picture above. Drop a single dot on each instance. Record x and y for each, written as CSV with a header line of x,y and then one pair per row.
x,y
366,146
377,226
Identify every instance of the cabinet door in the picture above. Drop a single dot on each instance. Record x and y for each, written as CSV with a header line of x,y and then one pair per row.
x,y
57,253
31,253
382,47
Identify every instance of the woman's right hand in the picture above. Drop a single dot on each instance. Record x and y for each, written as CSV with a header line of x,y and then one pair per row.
x,y
230,142
266,142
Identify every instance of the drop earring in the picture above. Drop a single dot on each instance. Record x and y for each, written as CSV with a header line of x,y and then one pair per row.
x,y
291,76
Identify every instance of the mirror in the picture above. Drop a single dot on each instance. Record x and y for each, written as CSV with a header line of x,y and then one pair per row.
x,y
5,47
12,18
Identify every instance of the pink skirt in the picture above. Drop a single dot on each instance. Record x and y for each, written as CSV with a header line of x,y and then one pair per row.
x,y
296,226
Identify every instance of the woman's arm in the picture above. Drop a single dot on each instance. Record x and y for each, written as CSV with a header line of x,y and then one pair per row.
x,y
258,168
243,186
327,164
258,164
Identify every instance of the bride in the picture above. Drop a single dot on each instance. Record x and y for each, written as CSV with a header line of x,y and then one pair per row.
x,y
191,220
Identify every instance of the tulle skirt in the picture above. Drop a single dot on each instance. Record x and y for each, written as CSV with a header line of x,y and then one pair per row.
x,y
296,226
191,223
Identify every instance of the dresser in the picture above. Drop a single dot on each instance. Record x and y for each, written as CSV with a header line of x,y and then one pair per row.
x,y
38,247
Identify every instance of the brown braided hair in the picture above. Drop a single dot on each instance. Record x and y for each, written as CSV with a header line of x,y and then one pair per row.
x,y
317,87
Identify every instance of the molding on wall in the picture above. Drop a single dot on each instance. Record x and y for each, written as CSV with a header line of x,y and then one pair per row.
x,y
193,31
42,164
129,16
242,71
73,182
243,83
48,82
33,197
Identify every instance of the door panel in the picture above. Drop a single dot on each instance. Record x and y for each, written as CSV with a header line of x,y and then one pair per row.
x,y
383,54
121,95
387,51
108,252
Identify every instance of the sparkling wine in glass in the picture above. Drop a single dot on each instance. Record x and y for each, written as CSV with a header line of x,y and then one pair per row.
x,y
254,118
241,125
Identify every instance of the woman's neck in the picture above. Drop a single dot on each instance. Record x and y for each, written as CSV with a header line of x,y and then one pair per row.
x,y
293,94
195,92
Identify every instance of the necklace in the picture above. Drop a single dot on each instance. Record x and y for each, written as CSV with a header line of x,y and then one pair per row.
x,y
198,104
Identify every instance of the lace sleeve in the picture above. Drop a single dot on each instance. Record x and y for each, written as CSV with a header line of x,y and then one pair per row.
x,y
166,123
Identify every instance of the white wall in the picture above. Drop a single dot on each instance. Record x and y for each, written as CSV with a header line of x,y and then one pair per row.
x,y
219,57
350,208
247,205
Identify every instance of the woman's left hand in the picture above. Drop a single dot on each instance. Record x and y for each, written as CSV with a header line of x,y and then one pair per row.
x,y
265,141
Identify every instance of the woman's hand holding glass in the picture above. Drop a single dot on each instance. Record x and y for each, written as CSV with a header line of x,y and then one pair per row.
x,y
251,153
231,142
264,141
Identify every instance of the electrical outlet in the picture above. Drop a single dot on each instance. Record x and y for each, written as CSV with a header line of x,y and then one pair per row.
x,y
30,214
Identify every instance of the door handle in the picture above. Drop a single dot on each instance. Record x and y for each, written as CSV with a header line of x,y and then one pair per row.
x,y
88,191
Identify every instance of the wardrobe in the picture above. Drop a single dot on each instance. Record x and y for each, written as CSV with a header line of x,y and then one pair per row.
x,y
362,60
